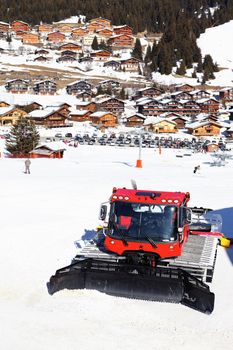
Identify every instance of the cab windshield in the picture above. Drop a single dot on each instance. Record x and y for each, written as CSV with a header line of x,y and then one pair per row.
x,y
143,222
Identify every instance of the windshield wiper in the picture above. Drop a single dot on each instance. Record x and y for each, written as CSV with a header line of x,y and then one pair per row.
x,y
152,242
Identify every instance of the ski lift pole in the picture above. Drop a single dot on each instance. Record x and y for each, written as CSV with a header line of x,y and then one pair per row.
x,y
139,160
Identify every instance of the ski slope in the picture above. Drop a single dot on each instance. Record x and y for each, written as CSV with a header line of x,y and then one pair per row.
x,y
43,213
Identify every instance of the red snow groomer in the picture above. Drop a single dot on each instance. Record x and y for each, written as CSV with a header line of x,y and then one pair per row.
x,y
151,246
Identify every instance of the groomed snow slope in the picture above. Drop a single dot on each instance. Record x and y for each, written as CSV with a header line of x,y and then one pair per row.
x,y
43,213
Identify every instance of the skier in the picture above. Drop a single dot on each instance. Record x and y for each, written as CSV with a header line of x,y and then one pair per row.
x,y
196,169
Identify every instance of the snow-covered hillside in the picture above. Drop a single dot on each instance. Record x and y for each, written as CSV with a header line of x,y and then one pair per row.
x,y
42,214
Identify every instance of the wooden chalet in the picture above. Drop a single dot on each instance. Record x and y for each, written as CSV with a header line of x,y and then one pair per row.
x,y
179,119
65,28
206,128
147,92
149,107
45,28
66,58
226,94
121,41
78,86
70,47
103,21
17,86
184,87
51,150
41,59
160,125
69,53
209,105
94,27
104,119
136,119
84,96
42,52
181,95
10,115
109,84
56,37
17,26
130,65
30,38
4,27
199,94
81,115
100,55
112,104
105,33
49,117
115,65
45,87
87,105
123,29
78,33
189,108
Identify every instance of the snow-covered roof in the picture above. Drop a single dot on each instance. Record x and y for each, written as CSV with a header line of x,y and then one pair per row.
x,y
99,114
79,112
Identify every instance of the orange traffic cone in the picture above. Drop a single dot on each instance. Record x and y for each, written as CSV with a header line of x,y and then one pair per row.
x,y
139,163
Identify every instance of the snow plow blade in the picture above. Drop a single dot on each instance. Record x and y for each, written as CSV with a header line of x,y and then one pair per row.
x,y
135,282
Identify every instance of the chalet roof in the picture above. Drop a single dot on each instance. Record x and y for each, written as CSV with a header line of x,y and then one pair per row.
x,y
79,112
78,82
51,146
19,22
119,35
85,103
157,120
194,92
100,114
4,23
121,26
17,79
105,99
137,115
148,88
43,113
144,100
44,82
5,110
199,124
204,100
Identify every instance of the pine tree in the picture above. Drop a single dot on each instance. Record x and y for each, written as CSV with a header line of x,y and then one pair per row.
x,y
181,70
24,137
148,55
95,45
137,50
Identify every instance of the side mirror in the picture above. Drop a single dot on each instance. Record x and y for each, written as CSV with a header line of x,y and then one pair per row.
x,y
103,212
188,215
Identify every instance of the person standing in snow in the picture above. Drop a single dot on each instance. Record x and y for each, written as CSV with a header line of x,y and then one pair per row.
x,y
27,166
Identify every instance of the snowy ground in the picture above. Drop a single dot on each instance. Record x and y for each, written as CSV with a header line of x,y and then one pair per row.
x,y
42,214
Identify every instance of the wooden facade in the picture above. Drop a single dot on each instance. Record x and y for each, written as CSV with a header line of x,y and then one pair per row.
x,y
30,38
208,128
100,55
130,65
4,27
209,105
17,86
87,105
121,41
17,26
78,33
48,119
70,47
10,115
103,21
56,37
80,115
159,125
124,29
45,87
45,28
78,86
112,105
135,120
226,94
104,119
